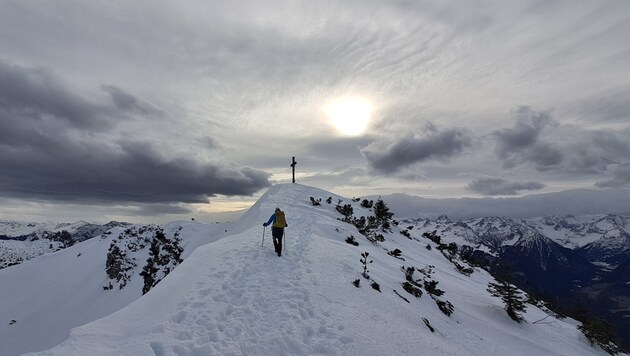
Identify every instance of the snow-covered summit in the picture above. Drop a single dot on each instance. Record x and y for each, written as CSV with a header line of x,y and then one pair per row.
x,y
234,296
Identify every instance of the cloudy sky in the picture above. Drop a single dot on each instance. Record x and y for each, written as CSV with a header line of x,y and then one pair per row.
x,y
153,110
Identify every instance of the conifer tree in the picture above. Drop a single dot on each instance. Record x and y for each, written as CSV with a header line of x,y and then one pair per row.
x,y
511,297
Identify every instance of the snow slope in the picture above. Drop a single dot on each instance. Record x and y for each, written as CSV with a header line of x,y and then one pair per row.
x,y
233,296
55,292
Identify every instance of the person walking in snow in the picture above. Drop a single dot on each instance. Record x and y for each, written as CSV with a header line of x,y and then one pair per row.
x,y
278,223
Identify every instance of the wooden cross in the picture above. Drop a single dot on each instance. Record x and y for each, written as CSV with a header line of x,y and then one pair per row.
x,y
293,163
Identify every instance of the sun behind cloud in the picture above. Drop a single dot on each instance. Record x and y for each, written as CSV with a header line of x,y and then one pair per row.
x,y
350,115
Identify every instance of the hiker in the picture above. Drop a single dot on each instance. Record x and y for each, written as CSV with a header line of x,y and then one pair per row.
x,y
277,229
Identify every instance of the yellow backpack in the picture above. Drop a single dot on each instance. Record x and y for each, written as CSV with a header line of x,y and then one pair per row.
x,y
280,220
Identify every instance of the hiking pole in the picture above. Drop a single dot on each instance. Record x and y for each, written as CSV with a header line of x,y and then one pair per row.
x,y
263,240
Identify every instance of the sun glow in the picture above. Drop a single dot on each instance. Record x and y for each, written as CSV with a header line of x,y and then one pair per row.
x,y
349,115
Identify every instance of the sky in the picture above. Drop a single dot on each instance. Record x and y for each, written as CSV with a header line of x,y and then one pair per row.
x,y
155,110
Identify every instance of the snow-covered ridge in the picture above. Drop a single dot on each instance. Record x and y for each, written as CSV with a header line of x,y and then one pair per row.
x,y
234,296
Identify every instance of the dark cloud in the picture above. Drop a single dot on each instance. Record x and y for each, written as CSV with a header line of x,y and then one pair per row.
x,y
621,177
436,145
131,172
537,140
594,151
499,186
56,145
37,93
522,143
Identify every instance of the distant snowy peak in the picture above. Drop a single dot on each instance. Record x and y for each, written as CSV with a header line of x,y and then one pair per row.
x,y
443,219
611,226
19,230
536,242
601,238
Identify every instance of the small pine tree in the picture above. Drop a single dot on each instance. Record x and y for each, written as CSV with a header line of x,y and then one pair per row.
x,y
347,212
350,240
376,286
411,289
433,236
445,307
395,252
382,214
365,262
511,297
431,287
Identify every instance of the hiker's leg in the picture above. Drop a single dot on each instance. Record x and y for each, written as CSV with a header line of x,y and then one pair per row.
x,y
279,246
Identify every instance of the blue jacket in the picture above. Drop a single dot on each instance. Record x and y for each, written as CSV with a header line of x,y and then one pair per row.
x,y
271,220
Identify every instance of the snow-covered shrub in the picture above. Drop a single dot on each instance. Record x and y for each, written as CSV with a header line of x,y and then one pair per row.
x,y
118,266
350,240
411,289
347,211
376,286
396,253
164,256
433,236
445,306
